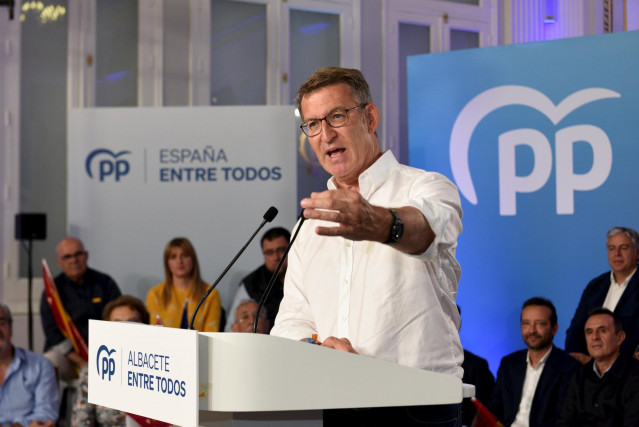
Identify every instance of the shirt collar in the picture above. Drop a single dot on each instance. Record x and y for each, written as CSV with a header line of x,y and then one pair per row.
x,y
600,375
625,282
19,358
373,177
541,362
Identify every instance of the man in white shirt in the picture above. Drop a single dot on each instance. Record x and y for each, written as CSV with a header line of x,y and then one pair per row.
x,y
373,270
616,290
532,383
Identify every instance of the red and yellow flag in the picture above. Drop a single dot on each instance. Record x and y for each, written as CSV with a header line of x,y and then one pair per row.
x,y
60,315
484,417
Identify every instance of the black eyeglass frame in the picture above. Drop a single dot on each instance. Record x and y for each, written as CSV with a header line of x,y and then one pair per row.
x,y
304,126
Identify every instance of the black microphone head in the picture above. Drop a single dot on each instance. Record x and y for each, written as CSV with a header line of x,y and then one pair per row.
x,y
270,214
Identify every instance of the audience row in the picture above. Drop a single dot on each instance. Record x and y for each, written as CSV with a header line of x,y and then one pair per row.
x,y
594,381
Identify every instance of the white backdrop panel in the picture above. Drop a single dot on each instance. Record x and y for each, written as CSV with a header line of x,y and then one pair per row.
x,y
138,177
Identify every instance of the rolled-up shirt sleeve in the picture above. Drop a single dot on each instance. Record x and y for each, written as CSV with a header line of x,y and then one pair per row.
x,y
437,198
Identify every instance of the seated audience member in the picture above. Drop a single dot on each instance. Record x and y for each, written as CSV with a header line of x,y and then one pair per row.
x,y
604,392
172,302
274,244
245,318
616,290
125,309
84,293
28,388
477,373
532,383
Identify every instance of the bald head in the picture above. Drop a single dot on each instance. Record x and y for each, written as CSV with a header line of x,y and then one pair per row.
x,y
72,258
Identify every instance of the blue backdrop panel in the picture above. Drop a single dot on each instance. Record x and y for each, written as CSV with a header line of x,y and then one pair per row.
x,y
542,140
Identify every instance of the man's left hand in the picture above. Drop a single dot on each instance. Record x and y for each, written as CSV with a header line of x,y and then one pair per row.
x,y
341,344
357,219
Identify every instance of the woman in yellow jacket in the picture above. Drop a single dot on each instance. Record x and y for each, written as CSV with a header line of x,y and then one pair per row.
x,y
172,302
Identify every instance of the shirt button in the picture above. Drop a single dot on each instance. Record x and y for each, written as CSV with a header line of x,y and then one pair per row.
x,y
343,318
349,244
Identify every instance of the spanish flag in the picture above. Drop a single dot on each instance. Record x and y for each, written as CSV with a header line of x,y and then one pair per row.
x,y
484,417
60,315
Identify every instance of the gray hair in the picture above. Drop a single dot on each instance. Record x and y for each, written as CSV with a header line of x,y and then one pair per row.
x,y
7,313
263,312
328,76
631,233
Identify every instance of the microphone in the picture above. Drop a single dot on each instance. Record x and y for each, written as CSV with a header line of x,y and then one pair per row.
x,y
269,216
276,273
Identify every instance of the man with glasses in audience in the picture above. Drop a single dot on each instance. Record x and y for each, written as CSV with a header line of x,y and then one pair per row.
x,y
84,293
374,269
616,290
274,243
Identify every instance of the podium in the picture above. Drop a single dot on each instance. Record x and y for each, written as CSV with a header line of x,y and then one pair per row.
x,y
235,379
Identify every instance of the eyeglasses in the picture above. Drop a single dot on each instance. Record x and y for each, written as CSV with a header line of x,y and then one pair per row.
x,y
336,119
246,317
78,254
271,252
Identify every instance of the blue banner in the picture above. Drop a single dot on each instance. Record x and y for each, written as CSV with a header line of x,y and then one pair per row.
x,y
541,140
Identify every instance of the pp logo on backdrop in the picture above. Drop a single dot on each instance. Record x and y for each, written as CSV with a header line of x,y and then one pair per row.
x,y
567,181
108,164
105,363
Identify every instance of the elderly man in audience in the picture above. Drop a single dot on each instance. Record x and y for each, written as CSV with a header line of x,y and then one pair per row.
x,y
245,318
616,290
84,293
532,383
604,392
28,388
274,243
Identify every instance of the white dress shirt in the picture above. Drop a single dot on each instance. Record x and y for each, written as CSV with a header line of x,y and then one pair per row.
x,y
528,391
391,306
615,291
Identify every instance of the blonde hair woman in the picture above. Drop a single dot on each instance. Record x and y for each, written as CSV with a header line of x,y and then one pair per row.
x,y
171,303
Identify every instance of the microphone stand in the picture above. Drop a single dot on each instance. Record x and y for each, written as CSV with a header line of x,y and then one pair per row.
x,y
270,214
276,273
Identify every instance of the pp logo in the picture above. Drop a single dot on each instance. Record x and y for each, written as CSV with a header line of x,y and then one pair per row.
x,y
108,164
106,365
567,181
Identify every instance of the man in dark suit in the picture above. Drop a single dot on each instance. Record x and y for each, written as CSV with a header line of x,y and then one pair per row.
x,y
616,290
531,384
477,373
604,392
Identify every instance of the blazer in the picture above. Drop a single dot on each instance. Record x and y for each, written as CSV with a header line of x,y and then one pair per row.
x,y
477,373
549,394
627,310
611,401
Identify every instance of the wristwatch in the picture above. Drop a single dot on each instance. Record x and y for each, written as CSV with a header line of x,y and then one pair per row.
x,y
397,229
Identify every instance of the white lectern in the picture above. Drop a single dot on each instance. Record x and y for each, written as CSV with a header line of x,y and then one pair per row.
x,y
245,379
